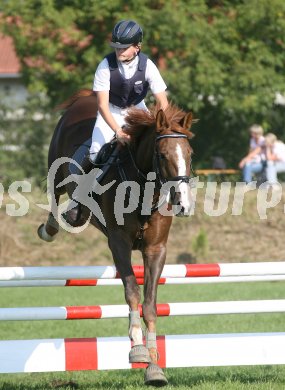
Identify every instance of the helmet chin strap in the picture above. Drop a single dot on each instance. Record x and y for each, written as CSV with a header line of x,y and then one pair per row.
x,y
129,61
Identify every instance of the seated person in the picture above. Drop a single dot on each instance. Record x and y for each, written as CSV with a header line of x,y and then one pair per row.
x,y
275,154
254,161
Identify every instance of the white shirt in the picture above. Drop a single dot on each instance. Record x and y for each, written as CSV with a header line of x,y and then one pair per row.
x,y
152,75
279,150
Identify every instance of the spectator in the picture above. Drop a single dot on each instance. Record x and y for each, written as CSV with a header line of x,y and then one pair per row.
x,y
275,154
254,161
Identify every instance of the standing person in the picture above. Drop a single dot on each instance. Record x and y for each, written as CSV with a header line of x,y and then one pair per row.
x,y
254,161
275,153
122,80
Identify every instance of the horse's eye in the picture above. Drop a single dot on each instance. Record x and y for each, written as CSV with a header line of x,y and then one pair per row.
x,y
162,156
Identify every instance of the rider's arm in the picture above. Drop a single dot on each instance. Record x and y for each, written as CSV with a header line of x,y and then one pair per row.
x,y
161,99
156,84
102,87
103,107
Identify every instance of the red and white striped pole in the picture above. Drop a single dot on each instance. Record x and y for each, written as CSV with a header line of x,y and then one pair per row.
x,y
169,271
105,353
118,282
122,311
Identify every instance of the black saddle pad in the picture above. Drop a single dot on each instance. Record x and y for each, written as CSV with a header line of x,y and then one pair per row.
x,y
102,157
105,153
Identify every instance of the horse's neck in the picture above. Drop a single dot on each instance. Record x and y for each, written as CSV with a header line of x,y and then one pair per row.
x,y
145,151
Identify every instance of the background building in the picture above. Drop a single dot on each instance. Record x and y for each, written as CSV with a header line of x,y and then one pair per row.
x,y
12,89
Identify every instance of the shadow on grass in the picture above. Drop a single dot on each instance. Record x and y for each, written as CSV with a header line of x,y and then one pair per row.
x,y
257,377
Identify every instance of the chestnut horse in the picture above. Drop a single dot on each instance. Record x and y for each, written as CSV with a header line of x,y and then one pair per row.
x,y
159,152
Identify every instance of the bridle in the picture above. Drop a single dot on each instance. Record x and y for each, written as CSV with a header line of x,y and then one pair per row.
x,y
157,161
159,179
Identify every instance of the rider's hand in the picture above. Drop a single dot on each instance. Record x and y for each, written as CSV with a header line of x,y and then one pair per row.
x,y
122,137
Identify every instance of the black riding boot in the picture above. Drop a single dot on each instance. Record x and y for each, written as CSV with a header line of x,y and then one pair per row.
x,y
74,216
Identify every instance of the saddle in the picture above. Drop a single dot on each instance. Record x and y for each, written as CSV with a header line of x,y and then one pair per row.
x,y
108,151
105,153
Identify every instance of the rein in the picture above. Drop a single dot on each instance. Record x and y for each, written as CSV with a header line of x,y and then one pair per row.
x,y
159,178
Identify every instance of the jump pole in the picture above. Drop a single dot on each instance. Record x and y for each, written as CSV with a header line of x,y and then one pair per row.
x,y
122,311
169,271
105,353
118,282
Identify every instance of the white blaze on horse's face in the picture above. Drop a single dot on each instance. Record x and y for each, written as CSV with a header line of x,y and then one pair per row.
x,y
179,191
183,189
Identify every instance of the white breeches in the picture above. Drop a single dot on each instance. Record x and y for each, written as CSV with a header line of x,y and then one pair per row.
x,y
102,133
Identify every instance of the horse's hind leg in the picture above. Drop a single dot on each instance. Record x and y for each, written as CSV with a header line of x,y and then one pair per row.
x,y
49,230
121,250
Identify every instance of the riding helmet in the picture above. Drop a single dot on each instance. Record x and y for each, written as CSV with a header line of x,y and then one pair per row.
x,y
126,33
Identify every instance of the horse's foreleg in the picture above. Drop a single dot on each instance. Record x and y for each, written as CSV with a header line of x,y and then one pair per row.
x,y
154,259
121,247
48,231
139,353
133,297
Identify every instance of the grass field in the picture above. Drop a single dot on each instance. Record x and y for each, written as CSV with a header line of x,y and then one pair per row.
x,y
199,239
269,377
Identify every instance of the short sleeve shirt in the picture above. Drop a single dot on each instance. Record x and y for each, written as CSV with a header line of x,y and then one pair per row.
x,y
152,75
279,150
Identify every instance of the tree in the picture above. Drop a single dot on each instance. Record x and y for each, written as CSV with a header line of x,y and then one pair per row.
x,y
24,137
224,59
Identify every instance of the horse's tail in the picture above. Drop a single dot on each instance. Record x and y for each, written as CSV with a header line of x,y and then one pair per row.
x,y
81,93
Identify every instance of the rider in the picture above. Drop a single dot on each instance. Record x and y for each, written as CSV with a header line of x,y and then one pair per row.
x,y
122,80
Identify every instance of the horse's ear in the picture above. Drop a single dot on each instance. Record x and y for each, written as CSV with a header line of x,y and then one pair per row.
x,y
186,122
161,121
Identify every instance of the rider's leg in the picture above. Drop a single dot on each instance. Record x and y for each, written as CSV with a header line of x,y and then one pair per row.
x,y
102,134
74,215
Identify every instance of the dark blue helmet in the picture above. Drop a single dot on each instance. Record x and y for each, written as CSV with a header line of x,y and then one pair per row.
x,y
126,33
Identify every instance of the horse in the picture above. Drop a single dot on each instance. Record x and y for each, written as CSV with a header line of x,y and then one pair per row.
x,y
159,153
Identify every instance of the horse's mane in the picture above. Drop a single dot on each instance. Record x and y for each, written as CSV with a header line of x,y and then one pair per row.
x,y
72,99
139,120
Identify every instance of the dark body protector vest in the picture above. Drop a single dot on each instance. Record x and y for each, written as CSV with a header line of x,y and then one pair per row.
x,y
127,92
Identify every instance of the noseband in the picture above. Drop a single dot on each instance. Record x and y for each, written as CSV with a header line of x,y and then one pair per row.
x,y
158,157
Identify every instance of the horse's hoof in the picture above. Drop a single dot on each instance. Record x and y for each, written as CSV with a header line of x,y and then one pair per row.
x,y
154,376
42,233
139,354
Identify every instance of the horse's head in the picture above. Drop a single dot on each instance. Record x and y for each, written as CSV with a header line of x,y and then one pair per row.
x,y
173,159
161,145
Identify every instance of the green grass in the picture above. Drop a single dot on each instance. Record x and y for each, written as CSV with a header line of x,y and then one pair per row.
x,y
250,378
